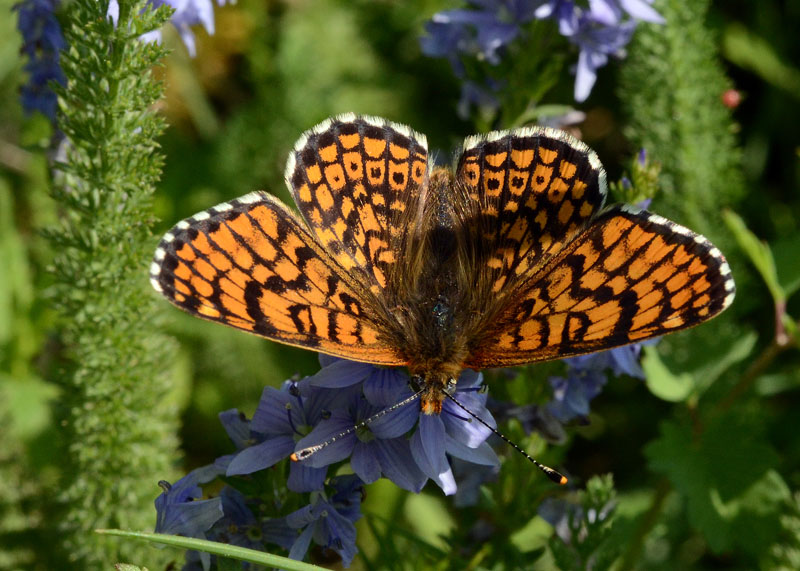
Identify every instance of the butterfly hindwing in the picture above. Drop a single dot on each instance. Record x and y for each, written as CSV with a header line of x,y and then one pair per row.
x,y
251,264
630,276
535,189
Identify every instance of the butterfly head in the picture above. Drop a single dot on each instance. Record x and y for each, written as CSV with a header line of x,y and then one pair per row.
x,y
435,387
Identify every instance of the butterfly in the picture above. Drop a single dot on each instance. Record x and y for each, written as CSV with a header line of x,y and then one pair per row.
x,y
509,258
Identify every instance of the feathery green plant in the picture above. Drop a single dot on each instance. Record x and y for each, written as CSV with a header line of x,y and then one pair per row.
x,y
672,84
119,428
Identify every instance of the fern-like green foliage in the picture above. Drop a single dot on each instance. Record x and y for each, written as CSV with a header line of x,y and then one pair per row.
x,y
672,84
118,423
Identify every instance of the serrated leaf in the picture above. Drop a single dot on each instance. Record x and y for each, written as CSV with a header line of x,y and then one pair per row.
x,y
757,523
715,472
677,456
662,382
735,453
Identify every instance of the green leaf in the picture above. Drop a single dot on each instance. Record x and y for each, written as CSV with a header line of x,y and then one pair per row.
x,y
718,473
539,112
776,383
662,382
749,51
715,366
221,549
787,263
757,524
758,251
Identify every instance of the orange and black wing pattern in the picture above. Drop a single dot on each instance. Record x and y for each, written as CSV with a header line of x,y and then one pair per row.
x,y
630,276
252,265
357,182
536,189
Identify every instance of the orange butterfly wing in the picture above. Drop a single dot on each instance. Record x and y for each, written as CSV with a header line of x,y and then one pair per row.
x,y
630,276
251,264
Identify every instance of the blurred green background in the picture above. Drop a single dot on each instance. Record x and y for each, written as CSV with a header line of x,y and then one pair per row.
x,y
274,69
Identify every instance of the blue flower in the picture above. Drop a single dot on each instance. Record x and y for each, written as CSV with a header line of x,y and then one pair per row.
x,y
188,13
381,447
599,32
329,522
586,376
238,526
482,31
597,40
237,427
456,433
571,394
281,419
180,511
42,41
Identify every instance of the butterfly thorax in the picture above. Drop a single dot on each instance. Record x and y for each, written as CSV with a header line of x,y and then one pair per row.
x,y
435,307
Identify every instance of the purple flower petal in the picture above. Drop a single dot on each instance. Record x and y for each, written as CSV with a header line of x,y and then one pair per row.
x,y
605,12
261,456
585,77
237,427
397,463
395,423
641,10
427,448
483,455
303,478
341,373
326,431
179,509
385,387
272,415
302,543
364,463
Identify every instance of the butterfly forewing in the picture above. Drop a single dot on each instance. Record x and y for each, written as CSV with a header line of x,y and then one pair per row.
x,y
357,182
251,264
630,276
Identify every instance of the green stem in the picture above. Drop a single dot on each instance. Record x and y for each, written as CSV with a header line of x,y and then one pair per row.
x,y
753,372
647,523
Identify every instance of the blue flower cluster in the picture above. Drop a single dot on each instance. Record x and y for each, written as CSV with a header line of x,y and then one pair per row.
x,y
403,445
42,42
585,378
187,13
483,29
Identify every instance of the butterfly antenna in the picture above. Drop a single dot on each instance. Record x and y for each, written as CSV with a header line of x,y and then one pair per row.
x,y
305,453
555,476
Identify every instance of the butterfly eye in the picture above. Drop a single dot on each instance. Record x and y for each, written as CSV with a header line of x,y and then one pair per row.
x,y
417,382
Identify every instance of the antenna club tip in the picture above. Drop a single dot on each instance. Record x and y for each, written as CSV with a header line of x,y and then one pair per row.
x,y
556,477
294,457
